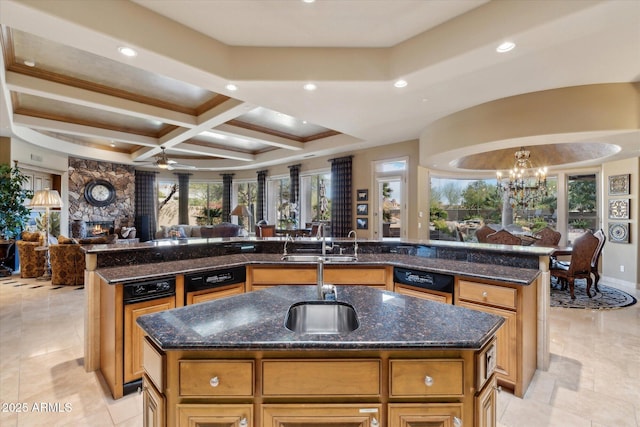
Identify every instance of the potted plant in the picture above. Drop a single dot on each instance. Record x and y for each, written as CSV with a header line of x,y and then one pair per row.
x,y
12,197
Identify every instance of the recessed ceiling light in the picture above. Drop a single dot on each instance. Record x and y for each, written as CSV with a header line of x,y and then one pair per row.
x,y
400,83
231,87
112,144
127,51
29,63
310,87
505,47
308,1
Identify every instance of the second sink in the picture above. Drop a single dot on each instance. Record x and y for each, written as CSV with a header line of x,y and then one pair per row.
x,y
315,258
321,317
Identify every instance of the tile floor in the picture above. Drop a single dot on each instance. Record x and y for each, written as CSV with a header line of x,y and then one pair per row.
x,y
593,380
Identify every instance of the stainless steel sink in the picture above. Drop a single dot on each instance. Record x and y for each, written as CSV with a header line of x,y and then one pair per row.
x,y
315,258
340,258
321,317
301,258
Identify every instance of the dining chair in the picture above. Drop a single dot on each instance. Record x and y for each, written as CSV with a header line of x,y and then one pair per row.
x,y
265,230
547,237
579,267
596,257
503,237
483,232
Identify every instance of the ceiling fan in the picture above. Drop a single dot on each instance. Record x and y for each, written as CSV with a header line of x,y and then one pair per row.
x,y
164,162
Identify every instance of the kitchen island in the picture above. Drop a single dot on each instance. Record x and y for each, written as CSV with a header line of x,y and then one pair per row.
x,y
233,362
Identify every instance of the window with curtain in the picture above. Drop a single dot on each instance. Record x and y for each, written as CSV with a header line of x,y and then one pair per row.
x,y
168,194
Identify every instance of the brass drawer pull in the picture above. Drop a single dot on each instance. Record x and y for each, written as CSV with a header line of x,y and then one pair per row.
x,y
214,382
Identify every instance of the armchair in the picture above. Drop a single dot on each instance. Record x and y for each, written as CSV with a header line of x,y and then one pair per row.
x,y
584,250
67,262
31,261
503,237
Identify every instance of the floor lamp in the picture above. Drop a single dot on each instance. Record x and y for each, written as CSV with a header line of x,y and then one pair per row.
x,y
46,199
241,210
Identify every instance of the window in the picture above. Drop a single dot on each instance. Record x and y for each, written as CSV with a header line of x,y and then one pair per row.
x,y
167,203
205,203
467,204
583,205
246,193
278,209
315,198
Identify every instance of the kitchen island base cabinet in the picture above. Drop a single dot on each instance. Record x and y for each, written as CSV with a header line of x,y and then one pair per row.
x,y
374,388
517,337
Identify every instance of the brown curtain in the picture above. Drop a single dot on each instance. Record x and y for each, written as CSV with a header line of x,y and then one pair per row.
x,y
341,211
262,183
227,181
294,194
145,203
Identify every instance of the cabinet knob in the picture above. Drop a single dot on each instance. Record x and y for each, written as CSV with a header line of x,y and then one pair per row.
x,y
214,382
457,422
485,294
428,381
243,423
374,423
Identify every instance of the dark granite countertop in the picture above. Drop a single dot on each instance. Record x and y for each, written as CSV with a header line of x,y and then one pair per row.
x,y
132,273
255,321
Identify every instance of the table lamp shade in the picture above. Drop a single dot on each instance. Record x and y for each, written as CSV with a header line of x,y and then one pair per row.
x,y
46,199
241,210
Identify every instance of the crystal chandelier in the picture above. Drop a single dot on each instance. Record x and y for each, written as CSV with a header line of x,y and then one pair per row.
x,y
525,185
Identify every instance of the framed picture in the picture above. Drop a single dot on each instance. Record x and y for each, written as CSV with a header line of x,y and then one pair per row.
x,y
28,183
38,184
619,232
619,209
362,223
362,209
619,185
363,195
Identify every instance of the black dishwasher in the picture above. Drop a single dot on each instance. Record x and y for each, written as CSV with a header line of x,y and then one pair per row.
x,y
211,284
442,283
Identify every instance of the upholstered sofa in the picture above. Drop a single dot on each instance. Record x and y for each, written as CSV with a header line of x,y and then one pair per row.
x,y
31,261
225,229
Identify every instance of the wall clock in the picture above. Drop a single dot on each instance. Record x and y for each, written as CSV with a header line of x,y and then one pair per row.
x,y
99,192
619,209
619,233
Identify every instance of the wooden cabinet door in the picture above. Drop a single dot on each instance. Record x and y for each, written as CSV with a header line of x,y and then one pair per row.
x,y
486,406
506,340
216,293
214,415
425,415
324,415
134,336
153,405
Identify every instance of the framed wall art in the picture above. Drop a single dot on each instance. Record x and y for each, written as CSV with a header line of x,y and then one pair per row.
x,y
619,185
363,195
619,208
362,209
619,232
362,223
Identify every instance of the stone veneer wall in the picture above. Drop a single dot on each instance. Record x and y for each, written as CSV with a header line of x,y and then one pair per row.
x,y
121,211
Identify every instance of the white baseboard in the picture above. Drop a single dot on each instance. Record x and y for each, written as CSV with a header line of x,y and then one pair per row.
x,y
622,284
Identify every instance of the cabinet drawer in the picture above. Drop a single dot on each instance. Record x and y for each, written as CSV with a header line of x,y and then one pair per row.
x,y
321,377
434,377
488,294
284,276
355,276
216,378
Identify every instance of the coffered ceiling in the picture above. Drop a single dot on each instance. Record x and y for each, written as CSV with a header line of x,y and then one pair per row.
x,y
66,87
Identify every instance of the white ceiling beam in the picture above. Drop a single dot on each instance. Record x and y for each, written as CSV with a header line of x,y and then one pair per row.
x,y
82,130
86,98
217,152
264,138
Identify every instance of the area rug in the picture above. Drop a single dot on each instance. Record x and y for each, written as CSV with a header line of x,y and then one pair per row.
x,y
607,298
